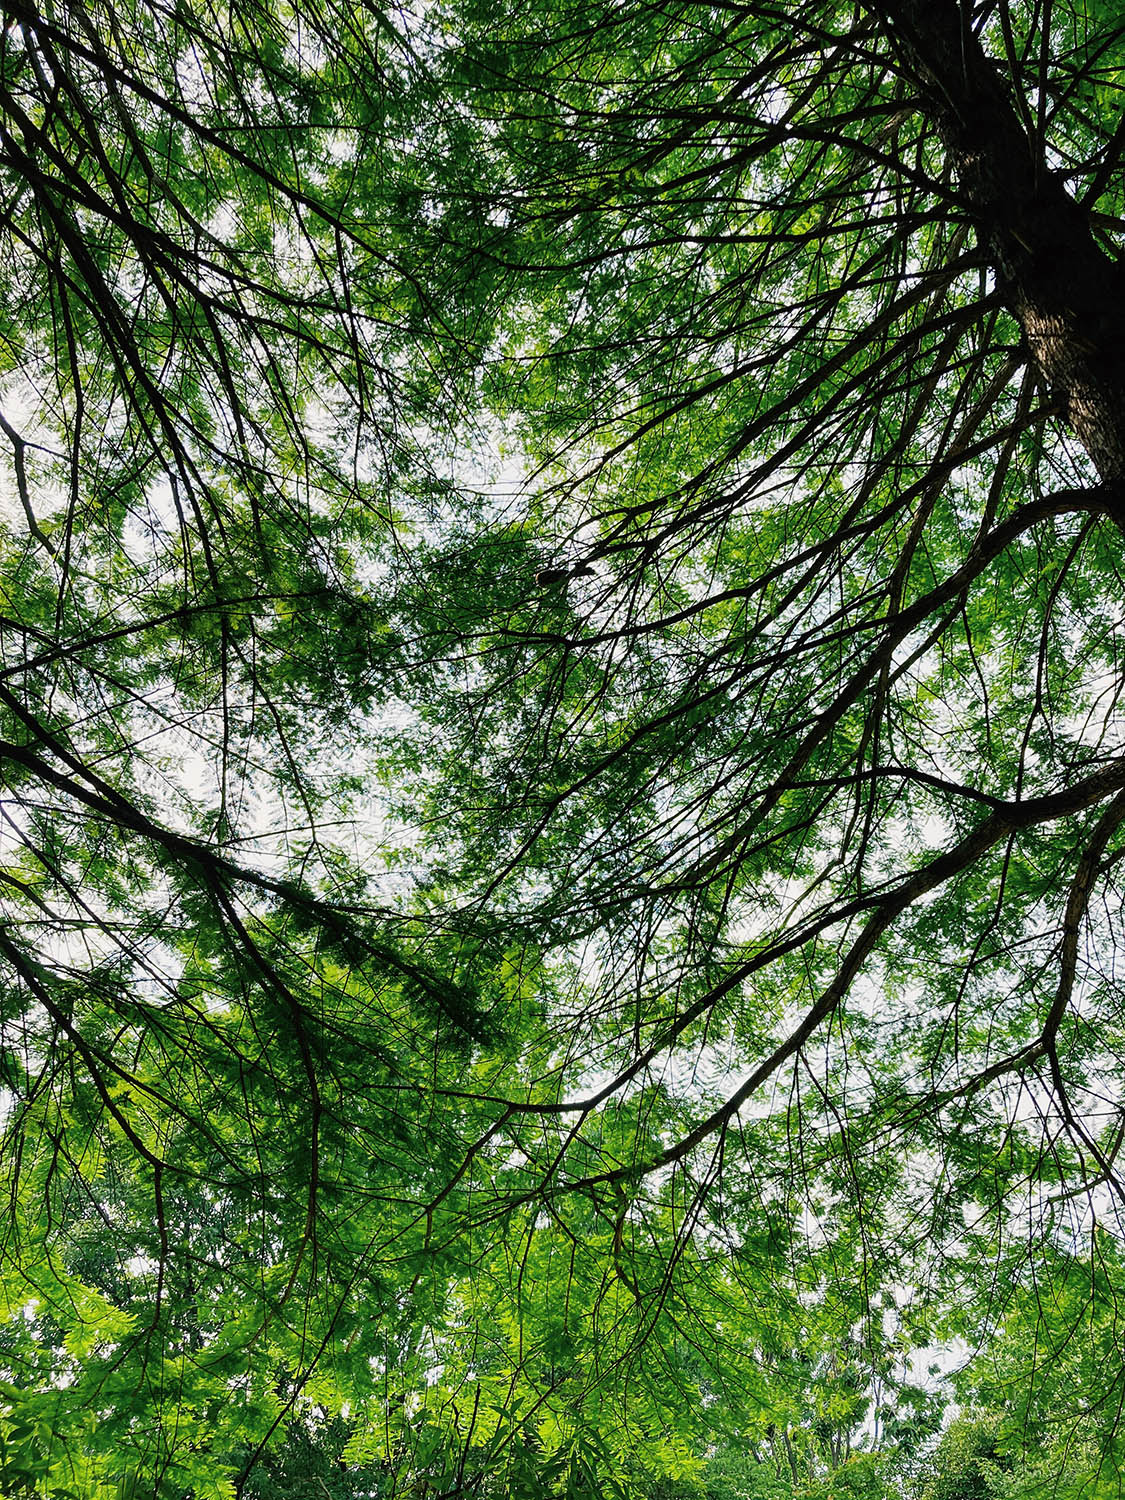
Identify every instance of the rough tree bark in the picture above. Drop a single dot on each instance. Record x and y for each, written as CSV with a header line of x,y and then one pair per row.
x,y
1066,292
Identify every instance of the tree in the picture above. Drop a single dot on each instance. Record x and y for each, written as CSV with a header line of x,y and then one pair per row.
x,y
741,983
203,439
1045,1390
798,755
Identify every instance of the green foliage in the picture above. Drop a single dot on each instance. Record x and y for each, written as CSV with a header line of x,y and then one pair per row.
x,y
966,1464
560,574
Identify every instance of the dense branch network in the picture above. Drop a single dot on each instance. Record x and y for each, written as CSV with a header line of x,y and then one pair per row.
x,y
538,962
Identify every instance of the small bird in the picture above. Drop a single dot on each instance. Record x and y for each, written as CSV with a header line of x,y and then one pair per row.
x,y
560,575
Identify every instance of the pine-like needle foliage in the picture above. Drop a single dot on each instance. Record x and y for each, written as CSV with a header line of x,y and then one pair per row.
x,y
561,984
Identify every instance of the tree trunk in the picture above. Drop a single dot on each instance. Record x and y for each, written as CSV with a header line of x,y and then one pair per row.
x,y
1067,293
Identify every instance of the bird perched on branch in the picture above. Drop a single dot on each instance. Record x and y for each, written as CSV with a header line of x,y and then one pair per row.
x,y
560,575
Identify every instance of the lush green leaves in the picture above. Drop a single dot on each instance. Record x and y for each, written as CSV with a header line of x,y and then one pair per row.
x,y
559,592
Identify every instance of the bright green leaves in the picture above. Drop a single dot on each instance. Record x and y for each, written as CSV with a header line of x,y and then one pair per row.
x,y
558,988
735,752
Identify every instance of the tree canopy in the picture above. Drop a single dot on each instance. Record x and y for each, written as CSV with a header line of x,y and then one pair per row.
x,y
562,784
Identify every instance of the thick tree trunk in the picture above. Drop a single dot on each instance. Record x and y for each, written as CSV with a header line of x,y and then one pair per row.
x,y
1067,293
